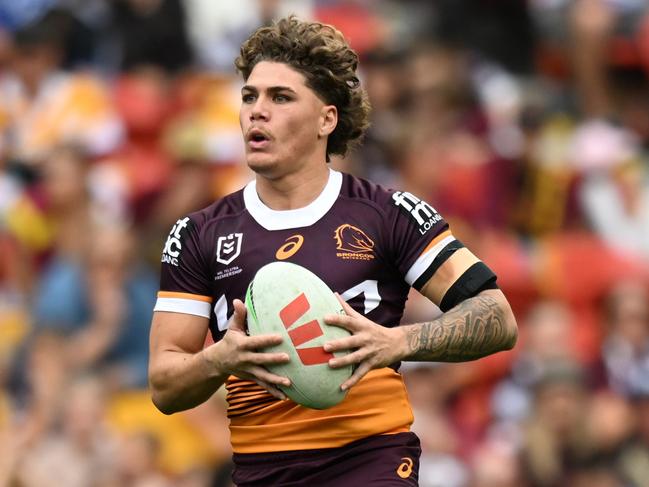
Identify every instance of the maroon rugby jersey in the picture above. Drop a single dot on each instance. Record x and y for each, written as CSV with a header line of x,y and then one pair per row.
x,y
367,243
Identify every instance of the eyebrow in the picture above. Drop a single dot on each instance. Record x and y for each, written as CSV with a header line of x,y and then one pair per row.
x,y
270,89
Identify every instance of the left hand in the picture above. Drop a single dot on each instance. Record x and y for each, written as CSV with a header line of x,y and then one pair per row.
x,y
372,346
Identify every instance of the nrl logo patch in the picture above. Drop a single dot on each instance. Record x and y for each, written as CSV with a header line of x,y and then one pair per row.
x,y
228,248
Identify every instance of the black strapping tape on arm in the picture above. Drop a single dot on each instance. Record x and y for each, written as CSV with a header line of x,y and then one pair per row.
x,y
475,279
442,257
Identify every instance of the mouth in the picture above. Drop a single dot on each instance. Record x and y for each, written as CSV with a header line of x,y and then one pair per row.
x,y
257,139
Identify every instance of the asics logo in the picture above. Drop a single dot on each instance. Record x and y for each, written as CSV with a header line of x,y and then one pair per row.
x,y
292,245
404,470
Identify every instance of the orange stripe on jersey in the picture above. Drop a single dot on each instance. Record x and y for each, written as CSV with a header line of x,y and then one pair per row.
x,y
173,294
439,238
245,397
377,405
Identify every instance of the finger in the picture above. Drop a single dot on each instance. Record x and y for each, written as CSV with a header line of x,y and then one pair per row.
x,y
260,342
349,323
346,343
265,358
238,320
349,359
358,374
272,390
347,308
261,373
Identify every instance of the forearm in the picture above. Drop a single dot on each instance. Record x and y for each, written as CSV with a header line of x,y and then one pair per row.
x,y
183,380
477,327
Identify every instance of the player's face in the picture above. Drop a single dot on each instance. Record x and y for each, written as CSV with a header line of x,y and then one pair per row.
x,y
285,125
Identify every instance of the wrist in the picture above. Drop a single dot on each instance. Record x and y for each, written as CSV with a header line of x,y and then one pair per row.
x,y
413,341
211,363
400,340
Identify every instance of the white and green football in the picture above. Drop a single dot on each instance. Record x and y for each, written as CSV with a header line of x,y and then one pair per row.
x,y
289,300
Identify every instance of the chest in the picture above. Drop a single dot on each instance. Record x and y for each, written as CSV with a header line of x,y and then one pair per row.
x,y
348,253
338,249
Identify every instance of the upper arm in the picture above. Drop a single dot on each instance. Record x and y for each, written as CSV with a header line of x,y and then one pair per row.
x,y
461,276
176,332
183,308
448,273
429,256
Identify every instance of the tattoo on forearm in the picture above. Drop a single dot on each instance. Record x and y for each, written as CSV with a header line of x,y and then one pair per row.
x,y
473,329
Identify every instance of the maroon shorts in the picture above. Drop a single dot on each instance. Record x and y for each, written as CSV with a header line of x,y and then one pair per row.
x,y
383,461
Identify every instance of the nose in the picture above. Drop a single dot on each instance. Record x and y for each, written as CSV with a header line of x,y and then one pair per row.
x,y
259,110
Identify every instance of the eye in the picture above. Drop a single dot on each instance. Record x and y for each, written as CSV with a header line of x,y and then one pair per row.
x,y
279,98
247,98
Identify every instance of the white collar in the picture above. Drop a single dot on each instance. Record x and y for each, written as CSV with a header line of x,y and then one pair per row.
x,y
301,217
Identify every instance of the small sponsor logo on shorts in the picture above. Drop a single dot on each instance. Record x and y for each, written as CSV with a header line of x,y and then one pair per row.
x,y
353,243
292,245
404,470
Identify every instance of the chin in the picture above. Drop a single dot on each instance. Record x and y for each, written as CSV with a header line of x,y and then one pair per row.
x,y
261,163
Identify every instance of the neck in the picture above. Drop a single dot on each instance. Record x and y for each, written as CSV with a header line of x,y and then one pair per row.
x,y
293,191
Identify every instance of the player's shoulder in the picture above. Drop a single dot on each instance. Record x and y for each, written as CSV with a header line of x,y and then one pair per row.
x,y
364,190
394,204
193,233
229,206
387,199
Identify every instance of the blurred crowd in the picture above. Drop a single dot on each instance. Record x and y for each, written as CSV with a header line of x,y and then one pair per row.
x,y
525,123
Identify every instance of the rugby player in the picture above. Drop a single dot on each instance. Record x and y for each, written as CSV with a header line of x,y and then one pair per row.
x,y
302,103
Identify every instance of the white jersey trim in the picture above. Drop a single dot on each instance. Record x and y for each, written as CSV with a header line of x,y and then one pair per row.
x,y
425,260
302,217
181,305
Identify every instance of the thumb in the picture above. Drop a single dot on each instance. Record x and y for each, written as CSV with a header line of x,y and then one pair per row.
x,y
238,320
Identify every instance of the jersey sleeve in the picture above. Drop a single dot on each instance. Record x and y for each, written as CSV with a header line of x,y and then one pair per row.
x,y
420,239
184,276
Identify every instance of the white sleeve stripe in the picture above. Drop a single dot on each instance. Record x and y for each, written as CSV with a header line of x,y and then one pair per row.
x,y
424,261
187,306
221,312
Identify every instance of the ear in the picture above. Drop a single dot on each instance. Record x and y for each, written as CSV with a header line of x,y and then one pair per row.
x,y
328,120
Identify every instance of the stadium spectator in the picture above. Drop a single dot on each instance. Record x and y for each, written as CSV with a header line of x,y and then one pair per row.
x,y
151,33
42,107
625,351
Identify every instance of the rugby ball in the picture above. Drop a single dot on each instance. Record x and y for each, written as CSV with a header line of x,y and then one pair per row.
x,y
289,300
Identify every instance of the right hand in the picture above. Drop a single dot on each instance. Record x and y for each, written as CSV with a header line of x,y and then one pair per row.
x,y
236,354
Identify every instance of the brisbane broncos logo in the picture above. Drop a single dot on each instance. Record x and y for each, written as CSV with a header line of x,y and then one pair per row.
x,y
353,243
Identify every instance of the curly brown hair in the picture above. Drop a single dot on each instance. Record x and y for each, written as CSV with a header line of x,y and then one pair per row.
x,y
321,54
